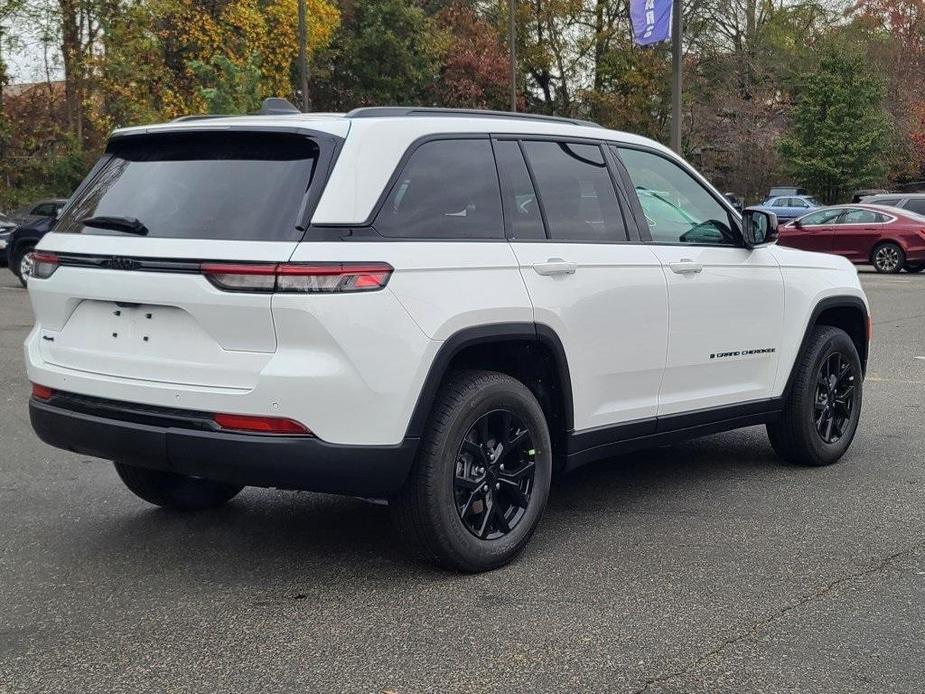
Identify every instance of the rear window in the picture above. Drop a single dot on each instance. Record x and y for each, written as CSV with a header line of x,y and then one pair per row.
x,y
228,185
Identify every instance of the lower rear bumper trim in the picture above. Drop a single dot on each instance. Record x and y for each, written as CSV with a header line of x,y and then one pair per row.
x,y
288,462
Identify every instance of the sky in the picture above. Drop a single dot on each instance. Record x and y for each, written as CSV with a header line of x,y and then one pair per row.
x,y
26,61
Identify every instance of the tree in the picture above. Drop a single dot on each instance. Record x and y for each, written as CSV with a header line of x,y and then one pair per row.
x,y
385,52
227,87
839,134
475,69
166,58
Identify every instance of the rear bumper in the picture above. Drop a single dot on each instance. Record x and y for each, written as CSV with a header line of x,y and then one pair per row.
x,y
168,440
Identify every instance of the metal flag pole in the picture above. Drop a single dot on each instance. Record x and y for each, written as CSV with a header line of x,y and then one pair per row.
x,y
676,30
303,55
512,30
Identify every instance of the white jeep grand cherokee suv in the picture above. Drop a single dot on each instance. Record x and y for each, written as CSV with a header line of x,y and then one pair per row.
x,y
435,308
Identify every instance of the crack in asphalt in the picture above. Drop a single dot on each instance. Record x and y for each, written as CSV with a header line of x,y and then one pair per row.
x,y
754,628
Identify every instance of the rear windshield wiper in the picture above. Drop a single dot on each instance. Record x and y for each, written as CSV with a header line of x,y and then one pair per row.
x,y
129,225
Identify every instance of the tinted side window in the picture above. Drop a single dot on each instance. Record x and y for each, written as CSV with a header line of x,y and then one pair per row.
x,y
447,190
855,216
678,208
821,217
577,194
521,207
46,209
916,205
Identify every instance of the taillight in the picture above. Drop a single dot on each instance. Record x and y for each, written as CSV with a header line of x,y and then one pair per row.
x,y
241,277
260,425
298,278
42,392
43,265
332,278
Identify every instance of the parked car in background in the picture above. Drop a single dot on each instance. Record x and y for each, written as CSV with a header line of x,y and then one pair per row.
x,y
889,238
788,207
40,209
778,191
21,243
6,228
911,202
863,193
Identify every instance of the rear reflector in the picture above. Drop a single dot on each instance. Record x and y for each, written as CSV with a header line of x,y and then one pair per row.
x,y
44,265
42,392
262,425
297,278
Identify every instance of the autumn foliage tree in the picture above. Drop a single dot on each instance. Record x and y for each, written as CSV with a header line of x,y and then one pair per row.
x,y
165,58
753,111
475,71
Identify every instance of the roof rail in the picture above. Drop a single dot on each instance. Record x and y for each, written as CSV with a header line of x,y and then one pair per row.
x,y
201,116
399,111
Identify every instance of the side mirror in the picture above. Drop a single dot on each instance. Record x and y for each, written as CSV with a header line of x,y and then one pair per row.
x,y
797,223
759,227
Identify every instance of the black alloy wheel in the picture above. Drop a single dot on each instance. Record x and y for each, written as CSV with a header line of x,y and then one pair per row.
x,y
834,402
494,475
480,480
822,403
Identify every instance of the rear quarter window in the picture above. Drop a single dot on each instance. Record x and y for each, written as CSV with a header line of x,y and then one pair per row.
x,y
227,185
916,205
447,189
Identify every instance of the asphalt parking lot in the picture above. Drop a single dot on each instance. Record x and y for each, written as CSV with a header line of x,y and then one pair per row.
x,y
704,567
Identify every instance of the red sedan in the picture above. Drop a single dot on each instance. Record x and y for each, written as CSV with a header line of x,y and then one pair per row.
x,y
888,238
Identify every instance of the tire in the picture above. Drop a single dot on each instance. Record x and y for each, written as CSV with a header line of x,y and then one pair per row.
x,y
20,261
447,512
914,267
888,258
174,491
800,434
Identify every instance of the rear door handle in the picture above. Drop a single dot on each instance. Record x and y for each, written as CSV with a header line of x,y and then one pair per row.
x,y
555,266
685,266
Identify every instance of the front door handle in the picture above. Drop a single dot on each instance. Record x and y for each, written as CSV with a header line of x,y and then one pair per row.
x,y
555,266
685,266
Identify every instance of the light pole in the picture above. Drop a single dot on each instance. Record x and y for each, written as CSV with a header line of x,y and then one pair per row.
x,y
303,55
676,29
512,31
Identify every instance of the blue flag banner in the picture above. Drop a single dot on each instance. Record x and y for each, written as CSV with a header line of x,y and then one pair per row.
x,y
651,21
